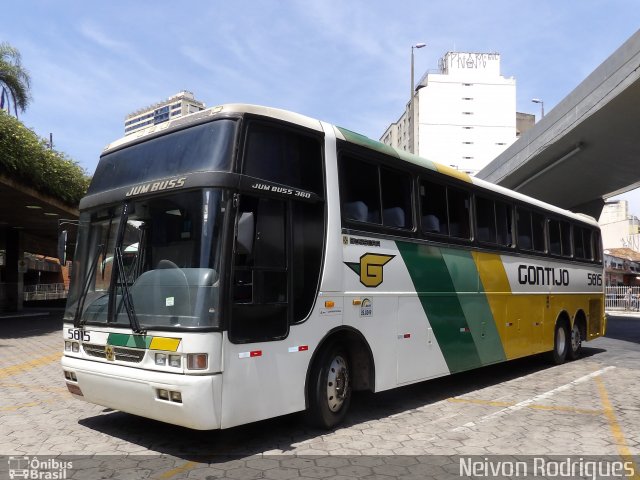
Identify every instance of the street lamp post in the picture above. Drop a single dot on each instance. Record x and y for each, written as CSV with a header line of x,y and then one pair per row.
x,y
412,93
537,100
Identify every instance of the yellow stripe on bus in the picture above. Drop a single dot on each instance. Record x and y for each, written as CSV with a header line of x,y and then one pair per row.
x,y
162,343
453,172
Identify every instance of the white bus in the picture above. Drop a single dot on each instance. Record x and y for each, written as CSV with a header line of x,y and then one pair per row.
x,y
244,262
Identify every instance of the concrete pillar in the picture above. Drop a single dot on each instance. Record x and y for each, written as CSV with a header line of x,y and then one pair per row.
x,y
14,288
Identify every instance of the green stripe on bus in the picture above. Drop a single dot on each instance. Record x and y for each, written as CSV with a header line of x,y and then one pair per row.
x,y
125,340
436,291
363,141
466,281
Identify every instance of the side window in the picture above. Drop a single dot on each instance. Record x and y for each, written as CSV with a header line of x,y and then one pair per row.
x,y
559,237
396,199
458,202
307,222
555,237
360,190
525,240
433,199
283,156
444,210
597,247
504,224
260,277
565,232
485,220
578,243
537,228
583,243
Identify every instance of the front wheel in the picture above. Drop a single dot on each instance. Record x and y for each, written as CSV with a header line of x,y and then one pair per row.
x,y
560,343
330,388
575,342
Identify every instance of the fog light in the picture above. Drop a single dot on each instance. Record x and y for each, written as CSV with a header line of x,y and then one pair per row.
x,y
73,376
163,394
175,361
161,358
176,397
75,347
197,361
67,375
67,346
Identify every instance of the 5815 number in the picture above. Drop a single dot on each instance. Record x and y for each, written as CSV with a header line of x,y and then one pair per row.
x,y
78,335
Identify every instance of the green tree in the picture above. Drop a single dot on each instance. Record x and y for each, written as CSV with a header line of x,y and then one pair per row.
x,y
27,158
14,79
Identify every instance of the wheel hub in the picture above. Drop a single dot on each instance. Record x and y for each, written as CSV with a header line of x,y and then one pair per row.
x,y
337,383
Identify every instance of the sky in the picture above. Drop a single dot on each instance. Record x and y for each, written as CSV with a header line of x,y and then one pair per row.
x,y
345,62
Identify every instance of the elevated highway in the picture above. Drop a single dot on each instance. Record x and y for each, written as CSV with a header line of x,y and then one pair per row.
x,y
588,147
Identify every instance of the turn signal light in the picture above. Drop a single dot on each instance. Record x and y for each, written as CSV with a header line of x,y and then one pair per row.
x,y
197,361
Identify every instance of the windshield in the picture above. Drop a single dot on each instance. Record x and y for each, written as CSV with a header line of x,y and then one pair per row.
x,y
206,147
155,262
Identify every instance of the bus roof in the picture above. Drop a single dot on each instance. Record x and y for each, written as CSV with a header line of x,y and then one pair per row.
x,y
343,134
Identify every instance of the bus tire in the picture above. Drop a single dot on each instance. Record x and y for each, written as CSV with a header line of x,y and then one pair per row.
x,y
575,342
330,392
561,343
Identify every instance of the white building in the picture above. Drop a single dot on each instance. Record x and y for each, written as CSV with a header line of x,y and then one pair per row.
x,y
465,114
181,103
619,228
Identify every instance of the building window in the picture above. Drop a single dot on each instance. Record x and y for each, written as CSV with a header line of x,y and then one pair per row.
x,y
467,113
467,128
467,143
467,84
467,98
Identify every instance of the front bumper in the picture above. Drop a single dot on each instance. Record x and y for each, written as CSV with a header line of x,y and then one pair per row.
x,y
135,391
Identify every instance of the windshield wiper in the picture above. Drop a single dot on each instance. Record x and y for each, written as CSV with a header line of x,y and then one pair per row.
x,y
77,320
120,277
126,294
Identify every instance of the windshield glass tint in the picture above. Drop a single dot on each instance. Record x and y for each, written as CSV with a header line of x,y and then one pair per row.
x,y
168,259
206,147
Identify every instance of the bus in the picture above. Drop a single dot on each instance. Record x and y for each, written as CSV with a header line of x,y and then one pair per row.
x,y
244,262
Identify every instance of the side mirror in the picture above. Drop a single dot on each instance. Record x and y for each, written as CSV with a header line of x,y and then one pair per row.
x,y
245,234
62,247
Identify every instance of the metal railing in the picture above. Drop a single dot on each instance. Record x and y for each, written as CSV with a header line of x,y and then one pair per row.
x,y
622,298
45,291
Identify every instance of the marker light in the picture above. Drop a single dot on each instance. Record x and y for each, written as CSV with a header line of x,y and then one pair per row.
x,y
197,361
161,358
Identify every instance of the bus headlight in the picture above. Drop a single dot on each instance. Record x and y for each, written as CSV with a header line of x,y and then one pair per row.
x,y
161,358
197,361
175,361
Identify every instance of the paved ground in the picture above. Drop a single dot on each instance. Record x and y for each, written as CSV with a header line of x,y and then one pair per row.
x,y
525,407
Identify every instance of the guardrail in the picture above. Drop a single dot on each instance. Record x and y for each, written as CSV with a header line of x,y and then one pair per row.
x,y
45,291
622,298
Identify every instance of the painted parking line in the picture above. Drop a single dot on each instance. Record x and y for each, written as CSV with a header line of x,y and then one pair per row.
x,y
175,471
616,429
559,408
35,363
531,401
11,408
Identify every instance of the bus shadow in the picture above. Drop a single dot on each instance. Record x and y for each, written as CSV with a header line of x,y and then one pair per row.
x,y
285,434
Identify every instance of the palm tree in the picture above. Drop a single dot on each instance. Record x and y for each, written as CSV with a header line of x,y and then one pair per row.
x,y
14,79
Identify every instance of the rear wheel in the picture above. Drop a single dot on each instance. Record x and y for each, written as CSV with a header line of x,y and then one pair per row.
x,y
330,387
575,342
560,343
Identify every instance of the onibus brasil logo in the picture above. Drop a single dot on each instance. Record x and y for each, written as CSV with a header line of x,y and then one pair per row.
x,y
33,468
370,268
